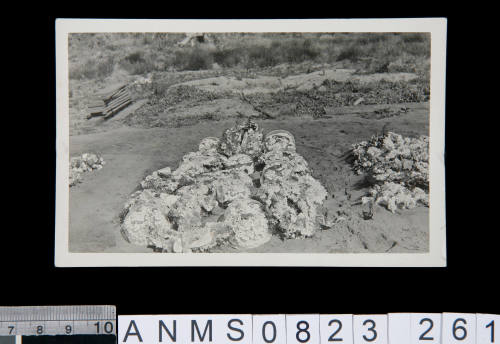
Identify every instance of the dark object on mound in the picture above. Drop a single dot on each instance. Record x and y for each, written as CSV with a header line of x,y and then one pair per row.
x,y
109,103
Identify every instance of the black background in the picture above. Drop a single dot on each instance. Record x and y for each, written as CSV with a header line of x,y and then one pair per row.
x,y
73,339
467,284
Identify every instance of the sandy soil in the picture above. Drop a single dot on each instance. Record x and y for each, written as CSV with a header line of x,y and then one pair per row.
x,y
133,153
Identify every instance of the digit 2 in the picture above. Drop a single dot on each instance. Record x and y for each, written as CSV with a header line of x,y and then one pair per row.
x,y
431,325
332,337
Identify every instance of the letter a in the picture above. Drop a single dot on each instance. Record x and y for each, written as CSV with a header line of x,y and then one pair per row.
x,y
136,333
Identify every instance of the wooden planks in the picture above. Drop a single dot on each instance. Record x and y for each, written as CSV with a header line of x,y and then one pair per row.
x,y
116,109
109,102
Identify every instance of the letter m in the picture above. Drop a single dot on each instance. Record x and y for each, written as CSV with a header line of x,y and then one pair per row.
x,y
208,327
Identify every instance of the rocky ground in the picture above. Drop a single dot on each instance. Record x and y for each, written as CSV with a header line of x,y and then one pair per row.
x,y
132,152
332,92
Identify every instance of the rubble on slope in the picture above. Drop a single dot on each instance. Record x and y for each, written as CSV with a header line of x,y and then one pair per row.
x,y
398,167
291,195
85,163
144,218
243,138
234,191
248,222
395,196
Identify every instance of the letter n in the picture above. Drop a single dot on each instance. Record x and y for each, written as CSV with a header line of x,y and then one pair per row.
x,y
162,326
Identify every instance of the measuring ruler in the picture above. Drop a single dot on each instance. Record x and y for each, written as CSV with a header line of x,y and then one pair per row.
x,y
22,324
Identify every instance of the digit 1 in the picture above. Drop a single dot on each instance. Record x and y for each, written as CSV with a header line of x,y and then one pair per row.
x,y
492,325
97,326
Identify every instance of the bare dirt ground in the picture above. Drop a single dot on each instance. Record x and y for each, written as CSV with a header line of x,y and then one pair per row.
x,y
329,91
131,153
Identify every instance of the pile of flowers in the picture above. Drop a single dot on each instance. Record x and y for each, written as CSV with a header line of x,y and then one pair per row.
x,y
87,162
235,191
397,166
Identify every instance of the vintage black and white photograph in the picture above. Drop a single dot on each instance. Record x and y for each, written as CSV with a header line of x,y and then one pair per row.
x,y
281,147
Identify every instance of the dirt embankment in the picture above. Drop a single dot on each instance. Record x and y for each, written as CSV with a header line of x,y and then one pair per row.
x,y
299,82
171,100
306,95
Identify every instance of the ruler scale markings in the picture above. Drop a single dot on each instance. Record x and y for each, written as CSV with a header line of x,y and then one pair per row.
x,y
56,320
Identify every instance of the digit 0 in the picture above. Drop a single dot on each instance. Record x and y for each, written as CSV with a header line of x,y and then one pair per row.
x,y
273,338
108,327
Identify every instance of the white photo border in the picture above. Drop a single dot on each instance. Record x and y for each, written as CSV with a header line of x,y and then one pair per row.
x,y
436,257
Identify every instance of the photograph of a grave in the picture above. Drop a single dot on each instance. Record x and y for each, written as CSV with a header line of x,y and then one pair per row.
x,y
249,142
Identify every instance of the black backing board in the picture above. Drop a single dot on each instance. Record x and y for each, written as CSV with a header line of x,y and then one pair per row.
x,y
74,339
466,285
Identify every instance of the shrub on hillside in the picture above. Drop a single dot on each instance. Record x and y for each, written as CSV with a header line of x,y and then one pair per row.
x,y
300,50
261,56
136,63
228,57
369,38
193,59
415,37
351,53
92,69
135,57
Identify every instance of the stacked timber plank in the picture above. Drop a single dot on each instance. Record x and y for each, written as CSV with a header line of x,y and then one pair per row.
x,y
108,103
